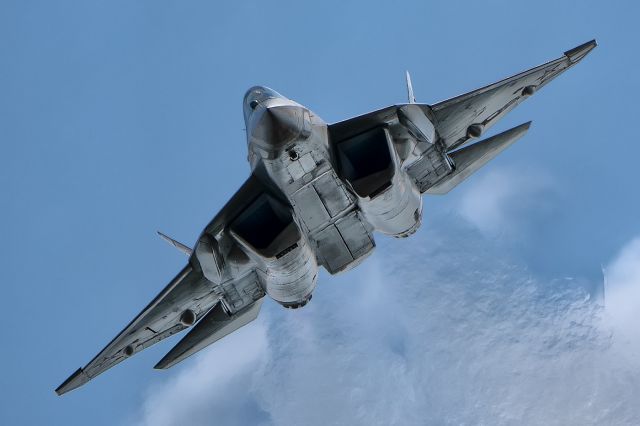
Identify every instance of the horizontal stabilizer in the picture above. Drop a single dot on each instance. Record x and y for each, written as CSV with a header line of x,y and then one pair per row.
x,y
469,159
213,327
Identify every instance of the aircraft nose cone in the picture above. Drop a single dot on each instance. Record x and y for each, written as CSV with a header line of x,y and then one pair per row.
x,y
278,125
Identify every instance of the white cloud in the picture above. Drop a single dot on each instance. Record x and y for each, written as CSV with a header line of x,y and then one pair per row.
x,y
496,201
445,330
622,298
210,384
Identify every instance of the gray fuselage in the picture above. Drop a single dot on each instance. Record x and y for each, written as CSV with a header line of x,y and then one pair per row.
x,y
327,207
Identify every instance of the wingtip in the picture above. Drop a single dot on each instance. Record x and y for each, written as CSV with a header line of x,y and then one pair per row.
x,y
77,379
579,52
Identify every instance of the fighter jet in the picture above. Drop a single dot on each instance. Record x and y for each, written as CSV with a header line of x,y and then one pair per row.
x,y
315,196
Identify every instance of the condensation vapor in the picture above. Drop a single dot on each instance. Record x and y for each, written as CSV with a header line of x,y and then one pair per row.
x,y
442,329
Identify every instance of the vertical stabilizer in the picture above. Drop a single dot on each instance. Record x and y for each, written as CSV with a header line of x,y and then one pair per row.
x,y
412,98
177,244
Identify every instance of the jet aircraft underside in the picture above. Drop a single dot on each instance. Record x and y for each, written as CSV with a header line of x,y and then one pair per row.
x,y
316,194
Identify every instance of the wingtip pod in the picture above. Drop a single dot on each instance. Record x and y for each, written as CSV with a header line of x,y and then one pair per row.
x,y
469,159
579,52
77,379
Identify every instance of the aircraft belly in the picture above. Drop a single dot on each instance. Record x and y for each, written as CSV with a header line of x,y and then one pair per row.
x,y
328,213
309,208
325,211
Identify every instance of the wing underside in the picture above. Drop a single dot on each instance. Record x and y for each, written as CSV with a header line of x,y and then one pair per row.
x,y
187,295
440,130
460,118
185,301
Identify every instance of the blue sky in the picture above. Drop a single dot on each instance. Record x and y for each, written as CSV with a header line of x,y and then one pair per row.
x,y
121,118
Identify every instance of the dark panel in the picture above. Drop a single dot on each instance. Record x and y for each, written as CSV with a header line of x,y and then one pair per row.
x,y
365,161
